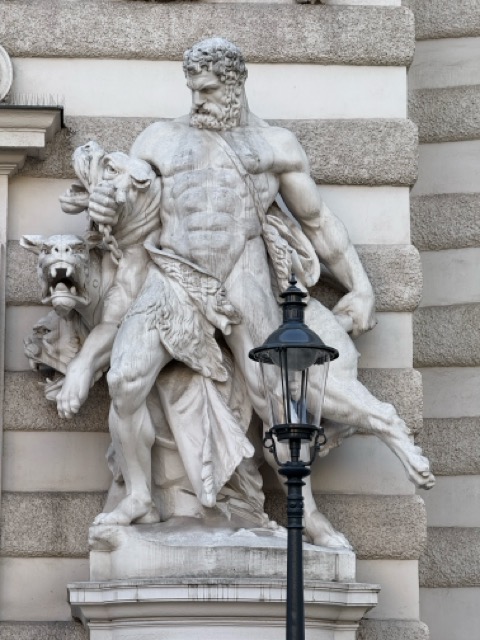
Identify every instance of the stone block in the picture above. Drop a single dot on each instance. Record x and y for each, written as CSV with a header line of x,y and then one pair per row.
x,y
40,415
451,392
450,505
394,270
392,630
25,216
378,527
343,470
388,344
55,461
448,167
447,336
452,445
42,631
22,284
451,614
47,524
396,275
398,599
451,558
214,548
400,387
364,152
450,277
446,221
445,19
321,35
450,62
445,115
34,589
373,215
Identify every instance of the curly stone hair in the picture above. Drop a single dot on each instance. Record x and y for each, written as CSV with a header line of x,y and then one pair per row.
x,y
217,55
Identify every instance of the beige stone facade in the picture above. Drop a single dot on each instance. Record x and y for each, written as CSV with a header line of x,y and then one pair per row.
x,y
444,81
337,77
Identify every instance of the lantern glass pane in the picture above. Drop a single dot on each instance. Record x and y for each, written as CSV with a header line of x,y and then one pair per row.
x,y
294,396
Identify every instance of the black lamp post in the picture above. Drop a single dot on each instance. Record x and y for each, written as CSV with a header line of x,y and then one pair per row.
x,y
285,358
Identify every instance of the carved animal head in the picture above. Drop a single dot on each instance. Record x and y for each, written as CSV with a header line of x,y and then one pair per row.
x,y
55,341
128,175
62,269
88,164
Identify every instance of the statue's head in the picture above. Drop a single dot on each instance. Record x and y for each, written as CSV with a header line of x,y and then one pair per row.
x,y
216,72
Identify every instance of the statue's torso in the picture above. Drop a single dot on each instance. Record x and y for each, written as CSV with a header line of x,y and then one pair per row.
x,y
210,206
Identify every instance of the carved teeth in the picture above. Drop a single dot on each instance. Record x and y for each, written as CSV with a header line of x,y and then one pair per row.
x,y
69,270
51,290
73,290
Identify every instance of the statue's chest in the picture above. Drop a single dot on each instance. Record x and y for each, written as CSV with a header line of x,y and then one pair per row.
x,y
203,150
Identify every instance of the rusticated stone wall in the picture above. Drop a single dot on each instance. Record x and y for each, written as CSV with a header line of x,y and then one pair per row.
x,y
336,76
444,102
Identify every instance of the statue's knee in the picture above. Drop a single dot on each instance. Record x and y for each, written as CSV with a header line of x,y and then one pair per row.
x,y
122,392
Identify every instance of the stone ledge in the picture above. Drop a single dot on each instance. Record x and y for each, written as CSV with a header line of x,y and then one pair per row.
x,y
392,630
40,415
446,221
446,115
363,152
142,30
445,19
42,631
47,524
400,387
447,336
395,272
451,558
452,445
377,526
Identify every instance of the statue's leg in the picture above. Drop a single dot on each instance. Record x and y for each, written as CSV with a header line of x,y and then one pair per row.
x,y
137,357
347,401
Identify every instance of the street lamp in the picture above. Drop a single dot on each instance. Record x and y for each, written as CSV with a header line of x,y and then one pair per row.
x,y
285,359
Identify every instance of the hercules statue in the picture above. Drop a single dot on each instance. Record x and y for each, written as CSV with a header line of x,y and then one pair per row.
x,y
210,263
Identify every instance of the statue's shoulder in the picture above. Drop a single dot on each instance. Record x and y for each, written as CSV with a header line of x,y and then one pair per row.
x,y
280,136
157,133
164,128
287,150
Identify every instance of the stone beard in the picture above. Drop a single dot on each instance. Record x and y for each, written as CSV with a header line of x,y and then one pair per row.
x,y
216,117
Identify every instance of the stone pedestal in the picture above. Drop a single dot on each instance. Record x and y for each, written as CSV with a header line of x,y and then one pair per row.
x,y
215,609
211,581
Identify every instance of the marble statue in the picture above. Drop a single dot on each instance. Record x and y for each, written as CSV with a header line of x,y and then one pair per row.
x,y
191,237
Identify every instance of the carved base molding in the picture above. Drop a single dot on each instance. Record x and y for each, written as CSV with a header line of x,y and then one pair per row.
x,y
218,581
215,608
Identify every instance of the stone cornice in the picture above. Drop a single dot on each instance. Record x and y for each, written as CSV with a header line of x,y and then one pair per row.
x,y
25,131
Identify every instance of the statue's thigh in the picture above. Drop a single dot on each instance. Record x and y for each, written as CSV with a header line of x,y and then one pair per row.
x,y
138,352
